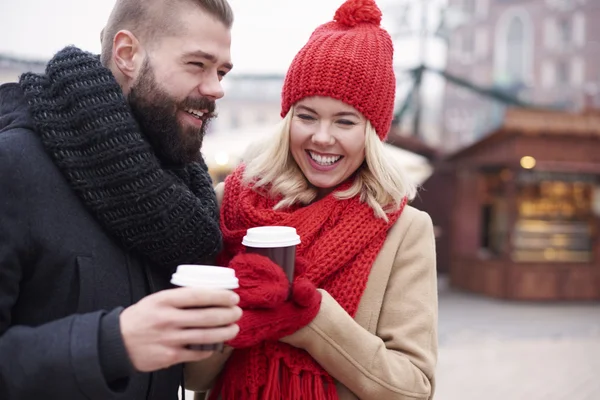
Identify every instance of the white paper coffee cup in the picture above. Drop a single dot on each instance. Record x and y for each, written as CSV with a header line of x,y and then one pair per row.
x,y
208,277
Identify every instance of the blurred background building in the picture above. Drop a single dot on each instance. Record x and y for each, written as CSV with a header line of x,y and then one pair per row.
x,y
546,52
12,67
515,188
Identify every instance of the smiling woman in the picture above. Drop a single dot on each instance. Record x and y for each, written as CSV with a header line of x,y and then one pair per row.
x,y
359,319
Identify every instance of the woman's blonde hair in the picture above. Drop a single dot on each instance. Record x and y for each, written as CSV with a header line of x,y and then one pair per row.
x,y
380,181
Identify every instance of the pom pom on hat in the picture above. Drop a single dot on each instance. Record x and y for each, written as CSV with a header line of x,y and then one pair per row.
x,y
349,59
354,12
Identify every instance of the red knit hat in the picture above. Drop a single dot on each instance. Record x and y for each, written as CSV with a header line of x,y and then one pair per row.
x,y
349,59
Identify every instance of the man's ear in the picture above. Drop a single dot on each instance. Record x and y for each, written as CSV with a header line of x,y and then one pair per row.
x,y
101,36
128,55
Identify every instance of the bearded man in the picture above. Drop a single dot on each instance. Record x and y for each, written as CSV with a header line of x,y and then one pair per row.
x,y
103,192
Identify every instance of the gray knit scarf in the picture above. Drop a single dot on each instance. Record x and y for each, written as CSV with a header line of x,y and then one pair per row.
x,y
168,216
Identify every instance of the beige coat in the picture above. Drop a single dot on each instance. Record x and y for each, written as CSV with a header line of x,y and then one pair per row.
x,y
389,350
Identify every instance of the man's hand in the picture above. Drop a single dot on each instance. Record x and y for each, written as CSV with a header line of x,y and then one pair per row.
x,y
157,329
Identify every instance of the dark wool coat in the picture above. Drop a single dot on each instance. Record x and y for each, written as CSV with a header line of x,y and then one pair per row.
x,y
63,282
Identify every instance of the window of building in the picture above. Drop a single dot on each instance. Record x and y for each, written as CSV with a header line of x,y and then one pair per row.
x,y
564,29
548,75
579,29
515,50
577,71
482,8
562,73
549,33
554,217
561,5
468,44
469,7
455,45
481,43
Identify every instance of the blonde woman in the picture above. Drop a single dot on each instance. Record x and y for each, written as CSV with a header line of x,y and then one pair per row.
x,y
361,322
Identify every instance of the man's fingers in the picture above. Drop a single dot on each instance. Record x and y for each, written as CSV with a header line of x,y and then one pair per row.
x,y
189,297
223,334
206,317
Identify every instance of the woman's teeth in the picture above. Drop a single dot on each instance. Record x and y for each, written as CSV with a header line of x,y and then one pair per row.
x,y
195,113
324,160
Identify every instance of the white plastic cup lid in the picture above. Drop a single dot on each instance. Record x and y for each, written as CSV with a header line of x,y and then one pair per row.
x,y
205,276
271,236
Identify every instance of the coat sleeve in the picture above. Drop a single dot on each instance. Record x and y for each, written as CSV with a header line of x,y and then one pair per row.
x,y
59,359
399,361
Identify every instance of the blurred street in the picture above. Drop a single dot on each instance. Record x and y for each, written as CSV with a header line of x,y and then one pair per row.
x,y
504,350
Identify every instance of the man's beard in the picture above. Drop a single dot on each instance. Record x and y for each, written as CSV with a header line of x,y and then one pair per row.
x,y
156,113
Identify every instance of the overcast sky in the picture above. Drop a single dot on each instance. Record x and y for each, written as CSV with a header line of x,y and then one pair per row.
x,y
266,33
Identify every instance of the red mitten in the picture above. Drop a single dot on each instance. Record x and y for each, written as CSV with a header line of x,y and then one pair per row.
x,y
257,325
263,283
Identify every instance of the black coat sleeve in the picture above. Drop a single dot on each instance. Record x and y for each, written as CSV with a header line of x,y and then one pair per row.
x,y
60,359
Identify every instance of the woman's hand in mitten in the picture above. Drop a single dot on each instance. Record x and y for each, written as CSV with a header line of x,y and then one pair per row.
x,y
260,324
263,283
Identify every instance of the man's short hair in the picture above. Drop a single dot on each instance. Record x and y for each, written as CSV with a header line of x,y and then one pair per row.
x,y
151,19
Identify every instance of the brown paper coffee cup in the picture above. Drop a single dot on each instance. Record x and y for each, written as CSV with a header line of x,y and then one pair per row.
x,y
275,242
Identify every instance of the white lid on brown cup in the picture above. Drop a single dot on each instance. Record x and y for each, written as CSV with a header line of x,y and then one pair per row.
x,y
265,237
205,276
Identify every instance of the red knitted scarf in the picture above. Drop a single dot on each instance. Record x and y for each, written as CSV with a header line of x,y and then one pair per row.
x,y
340,240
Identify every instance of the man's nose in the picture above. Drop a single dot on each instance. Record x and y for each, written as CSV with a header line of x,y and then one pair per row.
x,y
211,87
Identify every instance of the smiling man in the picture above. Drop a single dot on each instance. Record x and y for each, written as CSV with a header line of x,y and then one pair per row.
x,y
103,193
170,63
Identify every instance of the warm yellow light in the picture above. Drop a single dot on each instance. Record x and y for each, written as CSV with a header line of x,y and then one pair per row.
x,y
550,254
527,162
222,158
